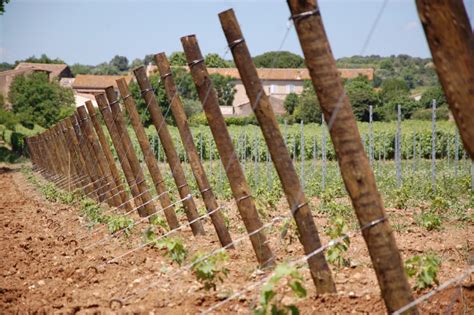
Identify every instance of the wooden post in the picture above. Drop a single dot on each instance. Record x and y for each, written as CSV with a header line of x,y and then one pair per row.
x,y
109,156
191,152
451,41
170,152
148,155
148,207
74,170
122,156
72,140
354,165
76,158
96,157
86,155
238,183
261,106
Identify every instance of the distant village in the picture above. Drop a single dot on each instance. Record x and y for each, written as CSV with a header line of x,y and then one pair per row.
x,y
277,82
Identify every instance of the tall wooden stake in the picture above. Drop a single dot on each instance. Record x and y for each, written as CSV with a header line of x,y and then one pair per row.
x,y
187,138
148,155
170,152
354,165
308,233
238,183
122,156
108,155
451,41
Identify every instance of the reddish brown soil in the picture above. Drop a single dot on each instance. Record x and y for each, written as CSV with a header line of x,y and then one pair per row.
x,y
41,273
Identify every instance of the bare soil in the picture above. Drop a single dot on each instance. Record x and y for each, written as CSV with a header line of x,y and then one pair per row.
x,y
43,270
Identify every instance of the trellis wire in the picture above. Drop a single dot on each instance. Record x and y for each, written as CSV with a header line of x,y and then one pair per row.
x,y
433,146
398,155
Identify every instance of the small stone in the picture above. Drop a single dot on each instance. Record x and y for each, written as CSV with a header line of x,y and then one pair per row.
x,y
41,282
352,295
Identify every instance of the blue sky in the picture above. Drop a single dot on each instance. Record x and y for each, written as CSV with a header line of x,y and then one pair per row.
x,y
93,31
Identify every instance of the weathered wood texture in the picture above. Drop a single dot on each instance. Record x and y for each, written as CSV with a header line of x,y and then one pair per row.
x,y
148,155
118,117
354,165
109,156
122,156
238,183
113,198
261,106
451,42
170,152
187,138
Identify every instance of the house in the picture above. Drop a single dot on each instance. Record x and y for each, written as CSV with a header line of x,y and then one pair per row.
x,y
54,71
277,83
96,84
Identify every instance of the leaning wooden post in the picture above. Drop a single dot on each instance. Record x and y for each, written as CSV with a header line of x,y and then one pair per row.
x,y
451,41
79,171
71,135
354,165
187,138
86,155
148,155
96,157
108,155
170,152
113,190
122,156
261,106
74,172
148,207
238,183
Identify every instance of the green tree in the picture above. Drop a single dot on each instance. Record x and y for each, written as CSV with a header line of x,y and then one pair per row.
x,y
225,88
177,59
408,106
2,101
42,59
78,68
362,95
5,66
40,101
308,109
2,6
279,59
433,93
120,62
291,102
215,61
149,59
105,69
137,62
392,88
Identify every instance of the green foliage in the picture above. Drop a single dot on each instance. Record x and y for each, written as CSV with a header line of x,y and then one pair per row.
x,y
213,60
4,66
159,221
39,100
424,269
433,93
392,88
2,102
335,254
429,220
78,68
210,270
290,103
278,59
308,109
408,106
122,223
173,246
361,95
8,119
42,59
402,196
177,58
271,301
225,88
105,69
92,212
119,62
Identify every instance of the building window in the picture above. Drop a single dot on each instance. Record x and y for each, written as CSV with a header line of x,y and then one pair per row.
x,y
290,88
272,89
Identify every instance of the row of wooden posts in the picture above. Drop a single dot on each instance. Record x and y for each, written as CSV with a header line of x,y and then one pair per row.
x,y
92,167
